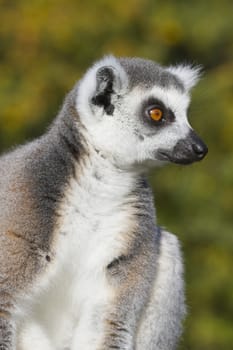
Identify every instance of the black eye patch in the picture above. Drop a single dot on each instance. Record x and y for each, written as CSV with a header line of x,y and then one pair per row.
x,y
154,103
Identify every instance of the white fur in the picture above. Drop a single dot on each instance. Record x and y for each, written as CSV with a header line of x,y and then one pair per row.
x,y
69,308
33,336
189,75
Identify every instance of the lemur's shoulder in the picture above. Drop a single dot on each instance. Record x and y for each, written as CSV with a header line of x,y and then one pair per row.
x,y
29,184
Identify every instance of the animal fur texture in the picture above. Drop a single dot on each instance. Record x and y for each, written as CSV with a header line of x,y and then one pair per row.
x,y
83,264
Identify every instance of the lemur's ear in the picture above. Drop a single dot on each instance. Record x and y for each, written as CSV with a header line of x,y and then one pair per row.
x,y
189,75
107,83
102,81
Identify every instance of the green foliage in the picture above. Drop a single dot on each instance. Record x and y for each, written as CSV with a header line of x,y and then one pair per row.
x,y
47,45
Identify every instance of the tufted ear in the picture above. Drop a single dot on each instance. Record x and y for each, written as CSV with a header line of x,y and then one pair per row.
x,y
189,75
101,82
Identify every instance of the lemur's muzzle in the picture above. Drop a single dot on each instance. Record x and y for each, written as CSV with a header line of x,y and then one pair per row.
x,y
186,151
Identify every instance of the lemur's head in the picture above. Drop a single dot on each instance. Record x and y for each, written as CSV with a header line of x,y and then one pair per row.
x,y
136,111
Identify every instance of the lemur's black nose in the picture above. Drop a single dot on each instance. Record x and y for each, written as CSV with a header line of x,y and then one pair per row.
x,y
186,151
198,146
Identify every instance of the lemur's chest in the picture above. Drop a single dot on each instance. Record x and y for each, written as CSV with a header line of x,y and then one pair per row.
x,y
94,224
95,219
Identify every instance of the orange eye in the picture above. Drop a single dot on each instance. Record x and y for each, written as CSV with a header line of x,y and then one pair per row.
x,y
156,114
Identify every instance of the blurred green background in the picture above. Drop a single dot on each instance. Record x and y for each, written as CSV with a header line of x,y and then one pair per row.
x,y
45,46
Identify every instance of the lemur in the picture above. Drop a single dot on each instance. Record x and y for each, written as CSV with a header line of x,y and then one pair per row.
x,y
83,263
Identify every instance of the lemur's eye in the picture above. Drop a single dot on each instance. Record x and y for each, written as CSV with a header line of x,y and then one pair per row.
x,y
156,114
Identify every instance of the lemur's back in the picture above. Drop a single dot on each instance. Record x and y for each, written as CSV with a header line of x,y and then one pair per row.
x,y
25,223
32,181
82,261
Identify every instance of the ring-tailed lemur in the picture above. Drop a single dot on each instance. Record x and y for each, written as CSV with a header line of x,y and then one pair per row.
x,y
83,264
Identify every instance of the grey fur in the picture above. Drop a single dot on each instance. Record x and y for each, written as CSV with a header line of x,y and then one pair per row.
x,y
148,73
142,257
33,181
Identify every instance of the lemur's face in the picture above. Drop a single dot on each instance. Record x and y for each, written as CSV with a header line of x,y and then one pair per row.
x,y
136,112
